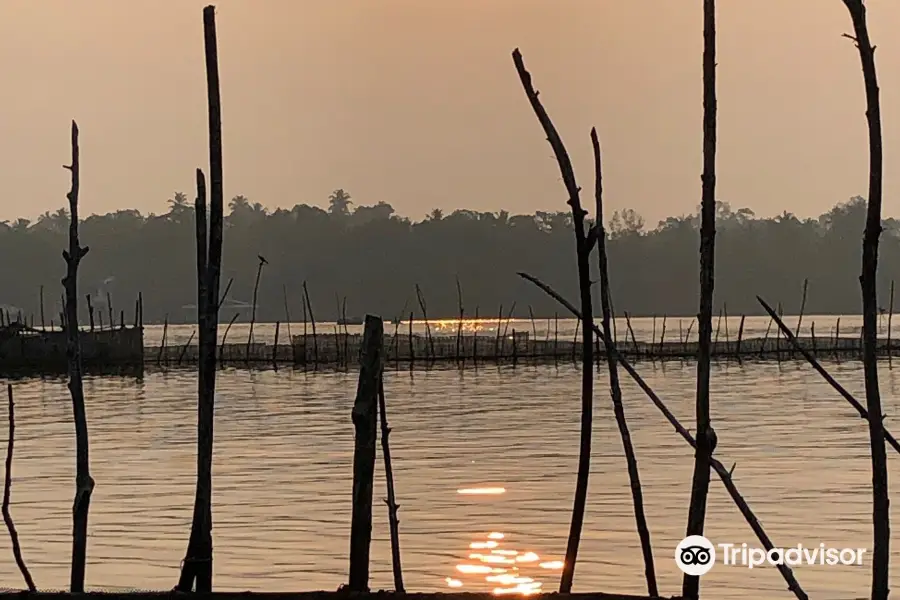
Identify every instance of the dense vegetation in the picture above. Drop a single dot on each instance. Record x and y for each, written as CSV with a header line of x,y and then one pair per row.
x,y
375,257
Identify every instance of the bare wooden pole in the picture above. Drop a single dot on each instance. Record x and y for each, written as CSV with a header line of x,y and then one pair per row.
x,y
706,436
391,500
506,328
868,283
109,308
662,335
533,331
43,328
461,316
287,314
634,477
365,418
337,321
890,318
262,261
412,346
225,336
312,322
723,473
631,333
7,489
475,340
422,305
762,346
497,337
90,311
802,305
185,347
740,336
162,344
84,483
275,346
198,563
583,244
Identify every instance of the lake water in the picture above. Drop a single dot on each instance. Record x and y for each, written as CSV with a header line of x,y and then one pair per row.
x,y
282,477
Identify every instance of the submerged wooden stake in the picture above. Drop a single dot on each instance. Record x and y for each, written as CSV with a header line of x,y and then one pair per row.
x,y
312,322
364,416
84,483
391,500
706,437
262,261
881,513
890,317
198,561
637,494
7,489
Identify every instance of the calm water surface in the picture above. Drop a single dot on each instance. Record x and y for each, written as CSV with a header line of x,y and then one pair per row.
x,y
282,478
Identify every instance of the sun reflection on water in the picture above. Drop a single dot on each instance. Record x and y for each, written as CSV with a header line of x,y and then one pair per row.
x,y
502,571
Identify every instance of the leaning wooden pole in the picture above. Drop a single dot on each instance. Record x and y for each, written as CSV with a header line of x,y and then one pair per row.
x,y
391,500
198,560
7,489
706,437
881,503
637,495
365,419
583,246
723,473
84,483
792,339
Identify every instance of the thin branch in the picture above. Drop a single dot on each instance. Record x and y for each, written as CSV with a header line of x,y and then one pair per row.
x,y
637,494
7,487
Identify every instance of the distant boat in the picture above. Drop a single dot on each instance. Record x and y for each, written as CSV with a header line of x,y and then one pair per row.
x,y
350,321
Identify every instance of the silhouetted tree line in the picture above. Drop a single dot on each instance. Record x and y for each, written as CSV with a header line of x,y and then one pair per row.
x,y
375,258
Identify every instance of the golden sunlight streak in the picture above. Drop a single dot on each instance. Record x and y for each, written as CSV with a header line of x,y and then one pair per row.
x,y
487,491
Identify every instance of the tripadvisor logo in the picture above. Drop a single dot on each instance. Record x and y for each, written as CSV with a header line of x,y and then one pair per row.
x,y
695,555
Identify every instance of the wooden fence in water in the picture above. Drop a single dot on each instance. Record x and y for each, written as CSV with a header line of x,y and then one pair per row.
x,y
343,349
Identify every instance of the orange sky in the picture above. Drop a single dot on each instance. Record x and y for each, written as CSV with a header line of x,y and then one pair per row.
x,y
416,102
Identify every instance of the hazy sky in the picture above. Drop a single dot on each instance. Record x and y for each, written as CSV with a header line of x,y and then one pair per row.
x,y
417,103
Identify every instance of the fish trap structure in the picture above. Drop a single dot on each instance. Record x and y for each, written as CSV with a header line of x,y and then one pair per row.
x,y
338,350
24,348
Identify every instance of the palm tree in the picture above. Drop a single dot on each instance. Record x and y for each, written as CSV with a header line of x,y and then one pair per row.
x,y
339,203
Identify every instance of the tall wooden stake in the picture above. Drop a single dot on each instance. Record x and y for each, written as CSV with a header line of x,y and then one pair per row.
x,y
637,494
881,503
705,433
198,560
365,419
84,483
